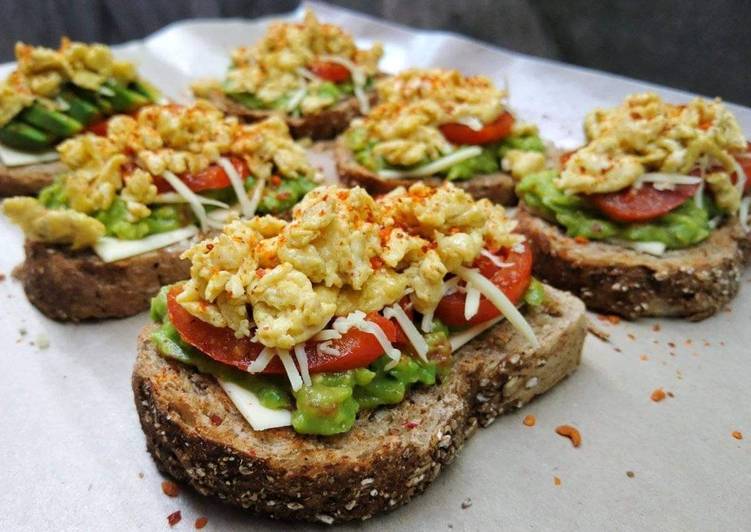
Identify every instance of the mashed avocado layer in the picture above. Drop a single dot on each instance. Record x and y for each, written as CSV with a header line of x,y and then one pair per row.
x,y
683,227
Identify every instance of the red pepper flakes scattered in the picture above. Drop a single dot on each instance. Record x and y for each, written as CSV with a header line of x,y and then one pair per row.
x,y
737,434
215,420
581,239
209,246
201,522
409,425
656,327
671,344
174,518
610,318
170,489
572,433
556,481
689,341
529,420
276,180
657,395
376,263
644,358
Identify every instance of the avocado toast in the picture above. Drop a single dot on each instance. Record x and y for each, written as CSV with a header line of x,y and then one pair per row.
x,y
109,232
53,95
326,369
436,126
646,219
310,73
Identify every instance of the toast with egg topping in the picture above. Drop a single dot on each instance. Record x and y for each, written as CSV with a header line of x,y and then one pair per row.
x,y
310,73
436,126
650,216
326,368
53,95
107,233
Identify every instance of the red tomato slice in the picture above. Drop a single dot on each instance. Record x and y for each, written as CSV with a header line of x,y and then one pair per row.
x,y
330,71
357,348
98,128
213,178
641,204
492,132
513,280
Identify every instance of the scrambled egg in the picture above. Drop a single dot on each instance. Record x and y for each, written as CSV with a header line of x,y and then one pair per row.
x,y
342,251
276,66
412,104
41,72
520,163
646,134
53,226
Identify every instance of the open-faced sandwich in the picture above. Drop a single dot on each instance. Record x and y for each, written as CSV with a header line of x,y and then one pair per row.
x,y
326,368
108,233
312,74
643,220
53,95
436,126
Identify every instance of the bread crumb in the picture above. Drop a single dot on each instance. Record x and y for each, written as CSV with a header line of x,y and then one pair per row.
x,y
657,395
670,394
656,327
630,474
140,474
572,433
612,319
201,522
631,336
671,344
2,277
737,434
170,489
556,481
42,341
597,332
466,503
174,518
529,420
644,358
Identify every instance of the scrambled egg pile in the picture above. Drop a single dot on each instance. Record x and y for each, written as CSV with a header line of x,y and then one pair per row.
x,y
342,251
414,103
645,134
41,72
160,138
275,66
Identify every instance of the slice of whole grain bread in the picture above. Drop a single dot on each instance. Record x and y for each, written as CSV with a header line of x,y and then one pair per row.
x,y
70,285
196,435
320,126
497,187
694,283
28,180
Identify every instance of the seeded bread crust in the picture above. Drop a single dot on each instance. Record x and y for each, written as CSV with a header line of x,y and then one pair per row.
x,y
70,285
195,434
497,187
320,126
28,180
692,283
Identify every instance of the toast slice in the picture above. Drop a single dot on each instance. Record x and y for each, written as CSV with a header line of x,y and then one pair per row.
x,y
196,435
68,285
28,180
497,187
321,126
694,283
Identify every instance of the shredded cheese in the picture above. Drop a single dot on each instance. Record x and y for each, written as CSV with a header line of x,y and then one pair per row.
x,y
427,321
500,301
190,197
302,361
325,348
699,195
112,249
665,181
741,177
447,161
413,335
743,213
459,339
326,334
473,123
357,320
238,186
289,366
296,98
471,302
174,197
494,259
260,363
255,199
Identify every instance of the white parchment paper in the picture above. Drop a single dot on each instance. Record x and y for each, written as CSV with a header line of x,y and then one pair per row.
x,y
73,455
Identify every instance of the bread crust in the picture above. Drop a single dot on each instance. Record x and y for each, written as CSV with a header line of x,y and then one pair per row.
x,y
320,126
692,283
70,285
497,187
196,435
28,180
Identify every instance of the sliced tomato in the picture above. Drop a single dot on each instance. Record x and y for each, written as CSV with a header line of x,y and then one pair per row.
x,y
357,349
641,204
492,132
212,178
513,279
98,128
330,71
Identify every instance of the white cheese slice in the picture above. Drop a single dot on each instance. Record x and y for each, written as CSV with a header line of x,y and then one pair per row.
x,y
459,339
12,158
259,416
455,157
112,249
